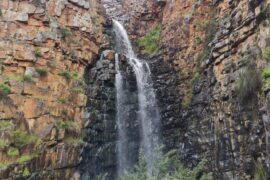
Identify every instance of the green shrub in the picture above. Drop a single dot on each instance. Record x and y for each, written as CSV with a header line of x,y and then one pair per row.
x,y
28,78
5,164
25,158
66,74
65,32
65,112
149,42
12,152
21,138
266,76
62,100
261,172
248,84
266,72
42,72
73,140
76,77
71,125
5,88
59,124
167,166
37,52
267,82
25,173
3,143
6,124
266,54
68,125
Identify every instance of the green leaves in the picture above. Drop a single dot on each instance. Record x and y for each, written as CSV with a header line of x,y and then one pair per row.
x,y
149,43
168,166
266,54
21,138
5,88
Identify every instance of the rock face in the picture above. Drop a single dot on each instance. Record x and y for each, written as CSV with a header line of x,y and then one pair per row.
x,y
99,154
205,50
44,48
208,71
208,48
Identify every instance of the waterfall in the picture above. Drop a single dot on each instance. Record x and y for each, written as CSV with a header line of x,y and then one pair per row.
x,y
123,161
148,114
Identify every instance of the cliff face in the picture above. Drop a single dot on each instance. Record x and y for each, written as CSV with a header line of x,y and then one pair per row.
x,y
44,49
218,52
209,62
210,77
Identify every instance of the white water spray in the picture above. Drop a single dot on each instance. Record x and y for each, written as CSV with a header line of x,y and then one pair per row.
x,y
148,111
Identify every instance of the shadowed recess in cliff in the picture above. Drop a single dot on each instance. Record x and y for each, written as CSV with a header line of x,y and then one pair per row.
x,y
148,114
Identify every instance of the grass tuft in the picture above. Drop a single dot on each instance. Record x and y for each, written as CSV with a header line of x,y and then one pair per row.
x,y
248,84
65,32
42,72
5,88
12,152
25,158
66,74
149,43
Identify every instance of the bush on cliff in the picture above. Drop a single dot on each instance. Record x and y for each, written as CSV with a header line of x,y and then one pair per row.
x,y
149,43
66,74
21,138
266,76
5,88
266,54
248,84
168,166
261,172
37,52
25,158
26,173
42,72
65,32
3,143
12,152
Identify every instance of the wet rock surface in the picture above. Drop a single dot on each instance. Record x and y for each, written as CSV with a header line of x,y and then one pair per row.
x,y
100,153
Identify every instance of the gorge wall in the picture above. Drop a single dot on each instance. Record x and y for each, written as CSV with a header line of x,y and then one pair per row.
x,y
45,48
209,67
211,49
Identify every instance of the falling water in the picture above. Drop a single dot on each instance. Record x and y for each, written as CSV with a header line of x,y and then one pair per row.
x,y
148,112
122,154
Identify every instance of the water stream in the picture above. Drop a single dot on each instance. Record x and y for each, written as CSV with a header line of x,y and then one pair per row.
x,y
148,114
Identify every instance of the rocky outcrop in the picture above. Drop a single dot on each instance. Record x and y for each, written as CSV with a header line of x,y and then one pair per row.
x,y
44,48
